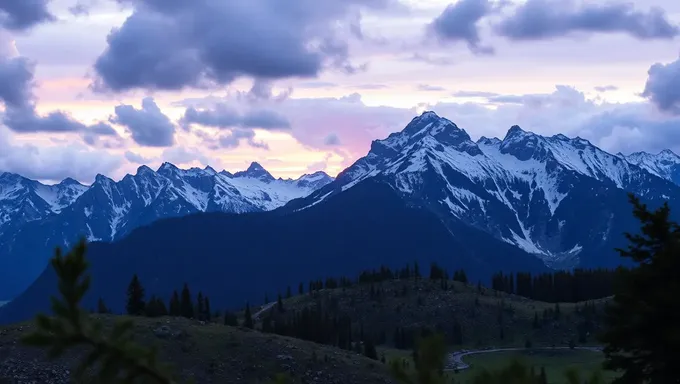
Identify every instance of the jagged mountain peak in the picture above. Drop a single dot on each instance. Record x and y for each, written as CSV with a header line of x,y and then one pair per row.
x,y
69,181
489,141
144,170
167,168
425,132
255,171
665,164
102,179
516,132
526,176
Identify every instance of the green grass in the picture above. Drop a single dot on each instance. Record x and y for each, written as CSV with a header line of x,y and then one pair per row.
x,y
555,363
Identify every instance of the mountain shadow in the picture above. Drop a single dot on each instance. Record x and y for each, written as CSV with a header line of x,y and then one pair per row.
x,y
236,259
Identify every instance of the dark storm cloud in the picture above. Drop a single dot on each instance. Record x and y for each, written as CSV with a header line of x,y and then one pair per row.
x,y
16,81
542,19
663,86
459,22
149,126
20,115
21,15
26,120
173,44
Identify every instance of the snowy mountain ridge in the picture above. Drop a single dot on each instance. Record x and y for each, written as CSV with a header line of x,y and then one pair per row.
x,y
23,200
107,210
665,164
522,189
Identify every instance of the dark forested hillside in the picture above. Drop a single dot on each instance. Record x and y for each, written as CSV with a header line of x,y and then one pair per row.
x,y
238,258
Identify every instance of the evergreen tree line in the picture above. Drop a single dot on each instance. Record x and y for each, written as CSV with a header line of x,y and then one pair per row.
x,y
382,274
559,286
179,304
642,322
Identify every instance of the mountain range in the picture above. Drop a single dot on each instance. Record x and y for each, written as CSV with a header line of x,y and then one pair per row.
x,y
561,199
428,193
108,210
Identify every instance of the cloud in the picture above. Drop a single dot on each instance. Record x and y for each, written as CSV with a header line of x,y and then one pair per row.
x,y
27,120
233,139
474,94
136,158
317,84
430,59
21,15
370,86
606,88
16,81
184,155
663,86
332,139
20,115
459,22
263,90
566,110
54,162
430,88
148,125
314,121
224,117
171,45
542,19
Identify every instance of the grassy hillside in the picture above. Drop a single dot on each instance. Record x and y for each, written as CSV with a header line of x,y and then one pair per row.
x,y
206,353
383,308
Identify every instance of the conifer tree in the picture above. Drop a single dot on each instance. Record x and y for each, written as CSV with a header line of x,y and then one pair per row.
x,y
248,319
112,357
186,305
174,307
207,314
289,294
279,304
301,289
135,297
200,306
642,323
101,306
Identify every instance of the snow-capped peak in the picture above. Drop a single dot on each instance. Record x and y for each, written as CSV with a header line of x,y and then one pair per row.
x,y
255,171
167,169
665,164
314,180
69,181
523,179
489,141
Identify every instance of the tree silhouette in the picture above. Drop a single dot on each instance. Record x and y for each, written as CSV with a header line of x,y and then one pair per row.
x,y
135,297
113,357
642,323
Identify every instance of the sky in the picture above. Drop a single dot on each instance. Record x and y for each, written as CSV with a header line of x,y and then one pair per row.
x,y
104,86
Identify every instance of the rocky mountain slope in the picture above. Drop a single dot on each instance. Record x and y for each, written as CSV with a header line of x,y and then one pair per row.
x,y
561,199
665,164
108,210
